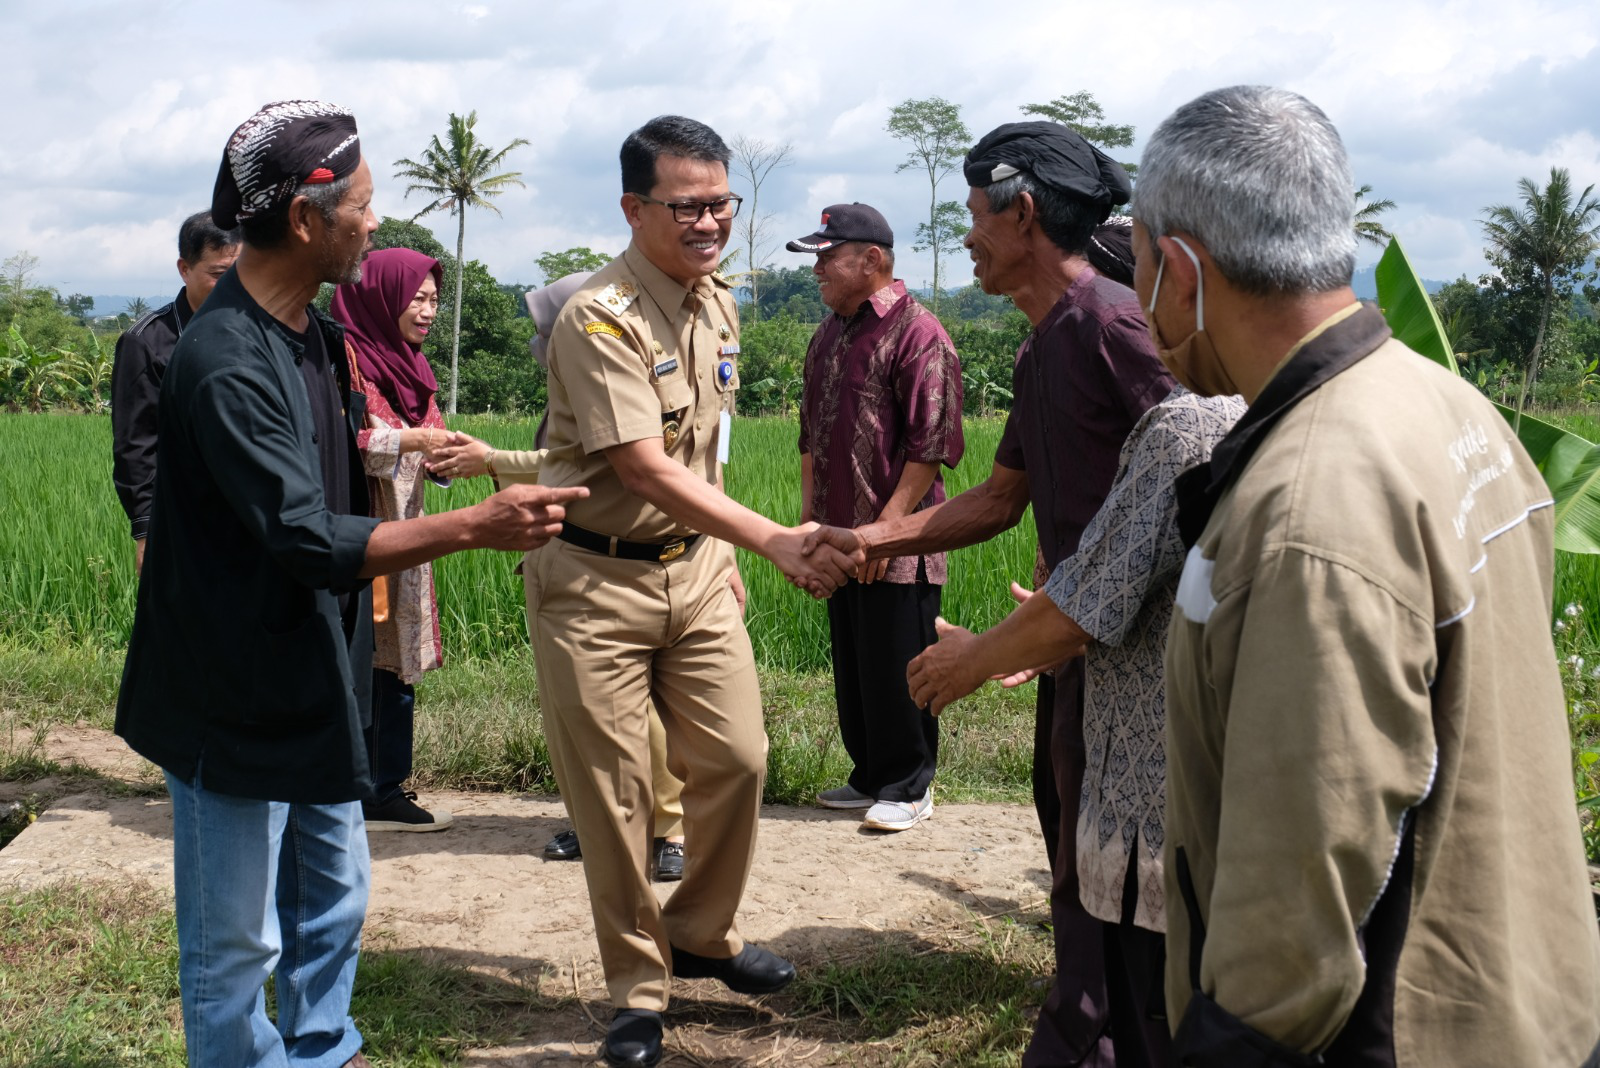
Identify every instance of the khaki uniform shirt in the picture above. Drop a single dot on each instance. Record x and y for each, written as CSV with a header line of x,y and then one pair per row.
x,y
634,355
1361,650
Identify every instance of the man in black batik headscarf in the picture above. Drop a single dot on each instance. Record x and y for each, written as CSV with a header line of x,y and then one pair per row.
x,y
1083,378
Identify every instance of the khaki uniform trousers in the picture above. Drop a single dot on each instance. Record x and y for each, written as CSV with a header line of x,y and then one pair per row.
x,y
611,637
667,789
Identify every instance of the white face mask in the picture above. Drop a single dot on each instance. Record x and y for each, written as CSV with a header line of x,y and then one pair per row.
x,y
1192,361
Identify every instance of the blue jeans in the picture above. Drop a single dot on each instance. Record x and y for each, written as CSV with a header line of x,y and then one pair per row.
x,y
267,888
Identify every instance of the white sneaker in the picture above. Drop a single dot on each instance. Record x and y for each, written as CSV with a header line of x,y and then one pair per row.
x,y
845,796
899,815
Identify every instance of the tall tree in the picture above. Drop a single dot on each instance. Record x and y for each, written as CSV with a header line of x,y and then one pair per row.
x,y
938,139
16,279
556,265
753,160
458,175
1368,228
942,233
1083,113
1550,238
137,309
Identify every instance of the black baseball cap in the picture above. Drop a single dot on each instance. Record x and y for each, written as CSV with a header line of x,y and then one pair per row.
x,y
846,222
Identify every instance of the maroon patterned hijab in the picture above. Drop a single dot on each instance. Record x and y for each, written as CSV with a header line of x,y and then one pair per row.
x,y
370,311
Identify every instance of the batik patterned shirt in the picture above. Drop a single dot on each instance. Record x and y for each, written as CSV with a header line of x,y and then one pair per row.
x,y
882,388
1119,587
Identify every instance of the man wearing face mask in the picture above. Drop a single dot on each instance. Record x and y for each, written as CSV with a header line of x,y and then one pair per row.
x,y
1372,852
1083,378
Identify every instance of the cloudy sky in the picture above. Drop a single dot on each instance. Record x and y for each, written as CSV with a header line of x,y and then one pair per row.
x,y
119,110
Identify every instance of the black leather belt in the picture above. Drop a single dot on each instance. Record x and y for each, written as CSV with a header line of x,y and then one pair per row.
x,y
607,545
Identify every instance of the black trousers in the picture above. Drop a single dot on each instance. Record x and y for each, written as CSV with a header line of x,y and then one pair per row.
x,y
877,630
389,738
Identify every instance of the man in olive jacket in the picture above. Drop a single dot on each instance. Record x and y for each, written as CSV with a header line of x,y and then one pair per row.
x,y
1372,850
248,667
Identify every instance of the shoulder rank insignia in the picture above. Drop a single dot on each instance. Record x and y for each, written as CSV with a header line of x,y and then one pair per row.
x,y
617,295
597,327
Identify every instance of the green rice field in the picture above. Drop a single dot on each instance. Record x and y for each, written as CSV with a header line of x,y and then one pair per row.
x,y
66,560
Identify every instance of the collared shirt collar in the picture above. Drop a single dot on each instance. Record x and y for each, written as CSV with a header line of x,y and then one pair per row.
x,y
181,312
886,298
1316,331
668,293
1338,343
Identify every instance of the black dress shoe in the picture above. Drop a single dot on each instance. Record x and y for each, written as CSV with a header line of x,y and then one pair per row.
x,y
563,846
633,1039
753,971
668,861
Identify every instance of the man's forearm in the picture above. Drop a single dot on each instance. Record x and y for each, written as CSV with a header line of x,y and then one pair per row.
x,y
967,519
402,544
675,490
915,481
1036,634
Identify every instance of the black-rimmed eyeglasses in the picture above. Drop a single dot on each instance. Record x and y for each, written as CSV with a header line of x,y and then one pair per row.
x,y
690,211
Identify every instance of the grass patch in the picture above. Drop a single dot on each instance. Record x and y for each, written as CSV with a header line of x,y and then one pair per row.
x,y
89,979
478,725
957,998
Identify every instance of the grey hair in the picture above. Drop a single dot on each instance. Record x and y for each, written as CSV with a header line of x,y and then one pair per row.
x,y
269,231
1261,177
1066,220
326,196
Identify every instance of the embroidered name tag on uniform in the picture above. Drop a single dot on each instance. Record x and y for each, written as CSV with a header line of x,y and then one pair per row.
x,y
666,367
598,327
730,350
1194,588
617,295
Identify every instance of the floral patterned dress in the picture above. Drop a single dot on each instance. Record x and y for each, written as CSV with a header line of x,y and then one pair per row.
x,y
408,634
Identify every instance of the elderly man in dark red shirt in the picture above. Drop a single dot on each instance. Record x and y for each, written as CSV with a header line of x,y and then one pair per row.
x,y
1083,378
880,412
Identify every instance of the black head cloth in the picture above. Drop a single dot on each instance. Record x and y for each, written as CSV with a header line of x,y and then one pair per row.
x,y
1055,155
278,149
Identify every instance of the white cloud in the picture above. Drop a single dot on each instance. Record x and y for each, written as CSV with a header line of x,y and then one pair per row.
x,y
1443,105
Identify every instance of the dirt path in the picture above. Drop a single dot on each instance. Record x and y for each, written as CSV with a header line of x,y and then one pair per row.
x,y
481,894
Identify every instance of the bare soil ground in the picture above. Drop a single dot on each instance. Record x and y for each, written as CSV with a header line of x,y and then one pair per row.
x,y
480,894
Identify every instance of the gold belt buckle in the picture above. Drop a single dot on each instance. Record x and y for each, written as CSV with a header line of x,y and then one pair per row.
x,y
672,550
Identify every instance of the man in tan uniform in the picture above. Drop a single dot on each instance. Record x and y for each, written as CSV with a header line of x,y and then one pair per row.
x,y
640,600
1372,853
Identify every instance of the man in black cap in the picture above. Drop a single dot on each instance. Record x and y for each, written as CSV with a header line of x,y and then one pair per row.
x,y
250,659
881,410
1083,378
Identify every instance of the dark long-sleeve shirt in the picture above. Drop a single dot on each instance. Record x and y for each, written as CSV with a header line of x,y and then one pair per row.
x,y
140,363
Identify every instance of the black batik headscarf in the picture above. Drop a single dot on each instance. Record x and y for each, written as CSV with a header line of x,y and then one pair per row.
x,y
1055,155
278,149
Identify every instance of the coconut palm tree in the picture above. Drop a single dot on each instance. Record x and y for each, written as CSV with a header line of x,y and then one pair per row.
x,y
1553,235
1368,228
458,174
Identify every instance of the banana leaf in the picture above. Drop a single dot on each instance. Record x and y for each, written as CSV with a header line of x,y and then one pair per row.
x,y
1569,462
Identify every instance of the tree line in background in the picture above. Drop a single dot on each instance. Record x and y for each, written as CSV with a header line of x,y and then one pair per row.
x,y
1526,332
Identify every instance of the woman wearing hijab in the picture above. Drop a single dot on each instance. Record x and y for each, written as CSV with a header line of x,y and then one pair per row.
x,y
466,457
386,316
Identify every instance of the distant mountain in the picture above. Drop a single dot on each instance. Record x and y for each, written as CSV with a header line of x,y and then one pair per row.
x,y
115,305
1365,283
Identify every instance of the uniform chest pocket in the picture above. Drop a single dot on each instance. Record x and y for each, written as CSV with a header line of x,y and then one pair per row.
x,y
673,392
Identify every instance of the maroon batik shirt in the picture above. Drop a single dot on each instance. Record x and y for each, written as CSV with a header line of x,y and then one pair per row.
x,y
882,387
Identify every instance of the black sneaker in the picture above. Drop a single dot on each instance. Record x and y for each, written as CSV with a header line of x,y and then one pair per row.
x,y
668,857
404,814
